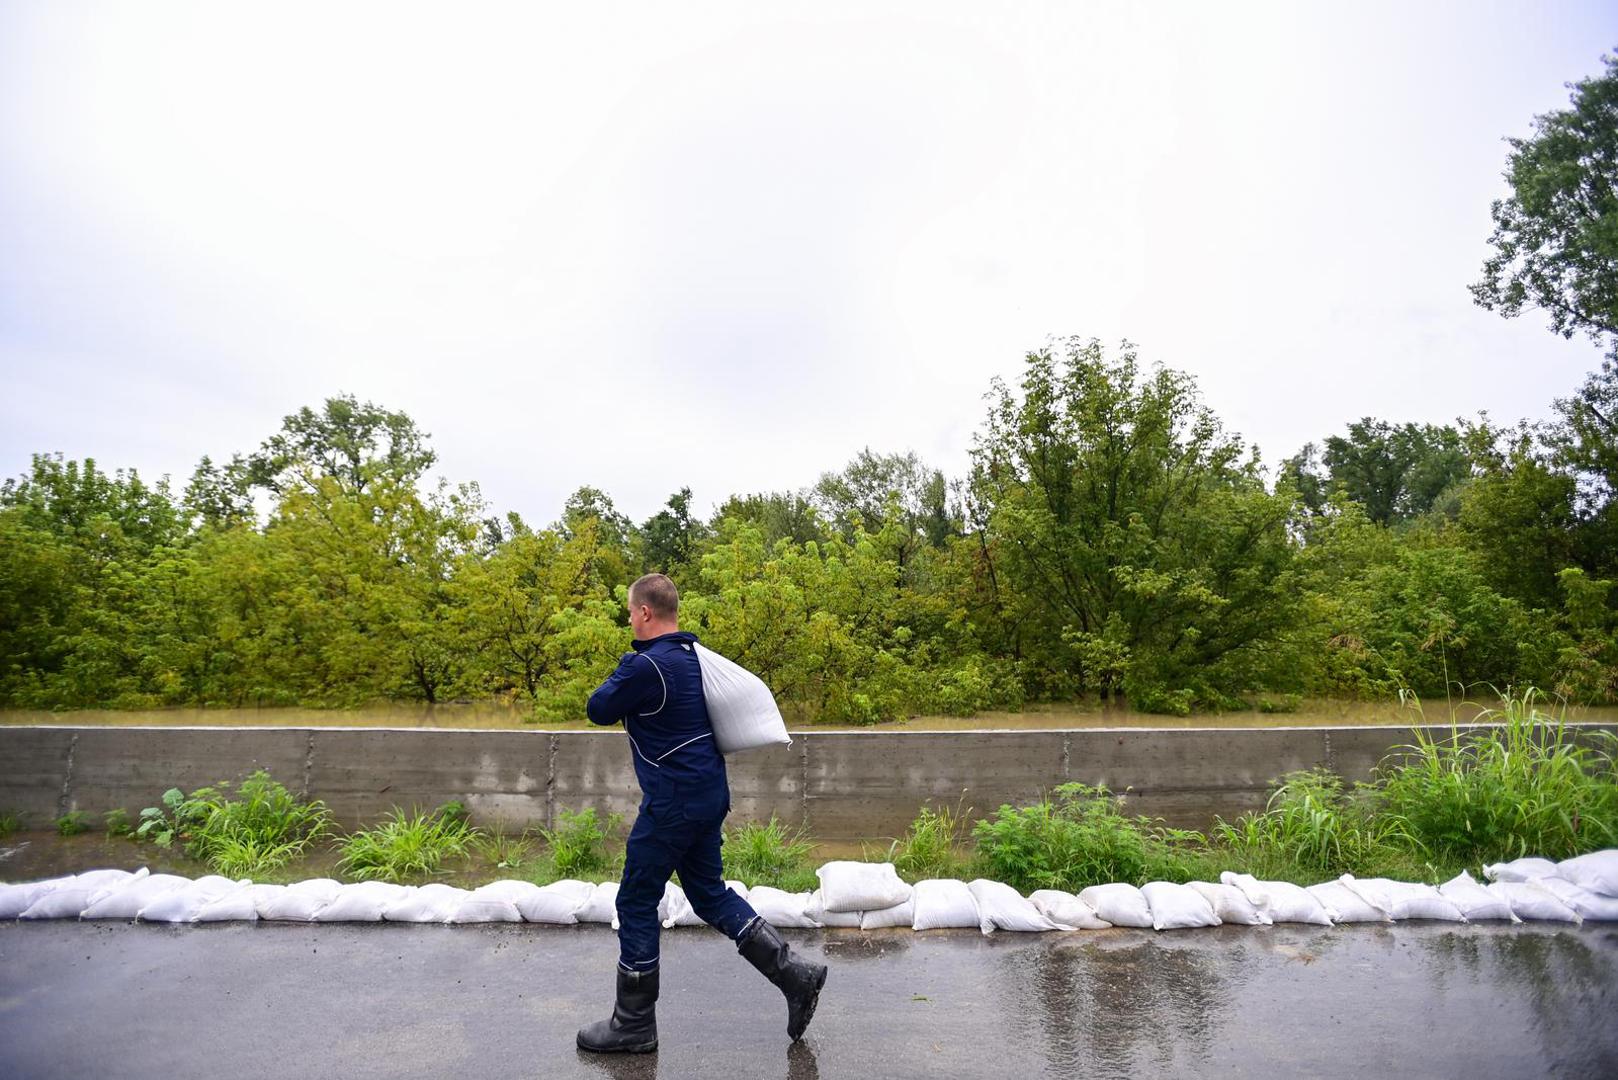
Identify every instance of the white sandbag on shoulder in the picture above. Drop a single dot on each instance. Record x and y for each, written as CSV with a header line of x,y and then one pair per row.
x,y
126,901
1230,904
1404,900
780,908
1000,907
1282,900
1066,909
363,901
898,915
1524,869
300,902
740,706
861,886
1592,907
1596,872
184,904
234,905
943,904
487,903
1344,905
1476,903
1177,907
70,899
601,906
1531,903
816,910
1118,903
18,898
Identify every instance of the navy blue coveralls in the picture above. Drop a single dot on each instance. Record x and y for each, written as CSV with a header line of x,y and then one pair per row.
x,y
657,693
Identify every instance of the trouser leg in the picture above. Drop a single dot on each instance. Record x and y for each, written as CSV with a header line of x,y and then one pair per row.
x,y
702,878
648,861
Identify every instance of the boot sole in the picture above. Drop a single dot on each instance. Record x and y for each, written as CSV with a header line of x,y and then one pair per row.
x,y
637,1048
814,1000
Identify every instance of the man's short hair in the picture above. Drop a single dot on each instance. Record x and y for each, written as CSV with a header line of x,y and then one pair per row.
x,y
657,592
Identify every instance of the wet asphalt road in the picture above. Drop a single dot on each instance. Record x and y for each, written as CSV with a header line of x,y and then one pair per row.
x,y
280,1000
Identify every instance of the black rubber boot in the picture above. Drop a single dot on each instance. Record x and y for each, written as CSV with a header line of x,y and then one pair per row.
x,y
799,980
632,1028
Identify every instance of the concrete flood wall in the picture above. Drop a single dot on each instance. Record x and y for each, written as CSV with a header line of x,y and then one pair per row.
x,y
836,785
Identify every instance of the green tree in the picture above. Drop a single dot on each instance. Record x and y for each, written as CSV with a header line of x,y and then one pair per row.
x,y
351,443
1131,544
1556,235
670,538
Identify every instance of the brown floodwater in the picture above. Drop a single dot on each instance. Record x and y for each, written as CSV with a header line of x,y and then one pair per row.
x,y
497,715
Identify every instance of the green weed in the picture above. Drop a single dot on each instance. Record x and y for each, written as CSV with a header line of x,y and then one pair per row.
x,y
406,846
578,845
933,845
768,854
262,828
73,823
117,821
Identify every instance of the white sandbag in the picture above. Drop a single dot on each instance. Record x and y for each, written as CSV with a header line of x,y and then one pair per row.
x,y
601,906
18,898
1230,904
1476,903
816,910
1344,905
126,901
234,905
678,910
431,903
1177,907
1404,899
740,707
1531,903
488,903
363,901
1118,903
861,886
1066,909
1282,900
1524,869
780,908
943,904
737,887
1000,907
70,899
182,905
1249,886
1592,907
898,915
300,902
1596,872
557,903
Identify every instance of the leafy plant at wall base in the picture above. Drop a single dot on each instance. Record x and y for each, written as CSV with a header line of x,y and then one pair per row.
x,y
118,823
73,823
407,846
765,854
579,844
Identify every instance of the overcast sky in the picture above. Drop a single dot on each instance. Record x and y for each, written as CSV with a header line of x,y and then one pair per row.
x,y
727,246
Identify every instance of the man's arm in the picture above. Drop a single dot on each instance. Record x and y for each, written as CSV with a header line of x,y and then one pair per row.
x,y
627,690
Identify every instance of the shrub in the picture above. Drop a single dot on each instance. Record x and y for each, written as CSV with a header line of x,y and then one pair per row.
x,y
407,846
1080,837
768,854
579,844
10,822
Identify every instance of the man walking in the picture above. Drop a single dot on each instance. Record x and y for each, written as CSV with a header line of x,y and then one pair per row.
x,y
657,693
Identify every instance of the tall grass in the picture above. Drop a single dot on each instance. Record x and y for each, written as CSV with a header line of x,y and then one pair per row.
x,y
933,846
769,854
1525,788
578,844
1311,822
406,845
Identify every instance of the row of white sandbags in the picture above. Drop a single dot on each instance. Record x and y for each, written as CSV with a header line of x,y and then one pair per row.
x,y
851,894
1596,872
